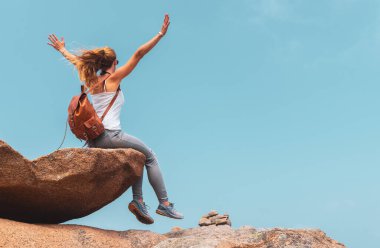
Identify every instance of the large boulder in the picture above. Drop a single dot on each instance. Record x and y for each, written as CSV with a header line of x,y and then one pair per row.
x,y
66,184
16,234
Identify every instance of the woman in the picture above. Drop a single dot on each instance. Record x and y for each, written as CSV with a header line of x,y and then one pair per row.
x,y
99,65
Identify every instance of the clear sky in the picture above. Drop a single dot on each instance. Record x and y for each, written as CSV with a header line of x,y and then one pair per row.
x,y
264,109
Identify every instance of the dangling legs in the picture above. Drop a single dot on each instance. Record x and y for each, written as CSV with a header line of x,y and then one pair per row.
x,y
151,164
137,206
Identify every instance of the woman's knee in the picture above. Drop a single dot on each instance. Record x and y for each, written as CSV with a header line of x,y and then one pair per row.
x,y
151,157
137,144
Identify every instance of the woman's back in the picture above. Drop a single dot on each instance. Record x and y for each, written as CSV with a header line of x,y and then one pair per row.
x,y
101,101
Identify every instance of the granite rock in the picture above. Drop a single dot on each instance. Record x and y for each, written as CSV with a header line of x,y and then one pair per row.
x,y
66,184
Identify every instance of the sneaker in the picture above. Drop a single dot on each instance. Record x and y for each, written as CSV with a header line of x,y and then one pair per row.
x,y
168,211
140,211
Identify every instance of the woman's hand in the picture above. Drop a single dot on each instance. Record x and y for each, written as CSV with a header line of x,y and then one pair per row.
x,y
57,44
165,26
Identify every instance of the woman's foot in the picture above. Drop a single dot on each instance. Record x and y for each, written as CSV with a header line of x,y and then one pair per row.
x,y
167,209
138,208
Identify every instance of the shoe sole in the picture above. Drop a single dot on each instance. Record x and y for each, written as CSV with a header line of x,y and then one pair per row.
x,y
163,214
139,217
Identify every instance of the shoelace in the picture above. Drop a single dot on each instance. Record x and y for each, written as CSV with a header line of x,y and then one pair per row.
x,y
145,208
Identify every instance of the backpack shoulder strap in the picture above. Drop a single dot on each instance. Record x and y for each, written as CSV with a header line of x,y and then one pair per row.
x,y
82,87
111,103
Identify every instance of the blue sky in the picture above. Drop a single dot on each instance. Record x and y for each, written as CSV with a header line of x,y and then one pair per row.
x,y
264,109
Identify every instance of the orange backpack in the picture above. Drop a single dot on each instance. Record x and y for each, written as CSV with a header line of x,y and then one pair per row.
x,y
82,118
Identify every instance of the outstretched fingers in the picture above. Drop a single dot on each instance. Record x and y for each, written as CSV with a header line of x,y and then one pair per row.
x,y
55,37
52,38
55,42
166,24
51,43
166,19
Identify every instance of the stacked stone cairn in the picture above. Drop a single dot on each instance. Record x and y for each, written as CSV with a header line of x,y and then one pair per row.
x,y
213,218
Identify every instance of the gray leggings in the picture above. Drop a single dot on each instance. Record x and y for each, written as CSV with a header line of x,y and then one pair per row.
x,y
120,139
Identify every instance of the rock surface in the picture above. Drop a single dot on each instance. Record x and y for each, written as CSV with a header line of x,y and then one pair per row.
x,y
22,235
16,234
66,184
248,237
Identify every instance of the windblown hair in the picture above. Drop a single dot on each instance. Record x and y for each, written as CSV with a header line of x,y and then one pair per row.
x,y
91,61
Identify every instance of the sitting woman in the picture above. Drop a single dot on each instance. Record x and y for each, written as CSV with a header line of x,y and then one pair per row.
x,y
99,65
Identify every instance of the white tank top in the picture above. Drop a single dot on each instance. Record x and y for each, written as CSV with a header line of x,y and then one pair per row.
x,y
100,101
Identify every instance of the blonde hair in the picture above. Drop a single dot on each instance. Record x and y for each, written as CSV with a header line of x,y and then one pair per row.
x,y
91,61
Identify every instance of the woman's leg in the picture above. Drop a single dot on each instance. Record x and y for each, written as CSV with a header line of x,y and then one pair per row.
x,y
119,139
124,140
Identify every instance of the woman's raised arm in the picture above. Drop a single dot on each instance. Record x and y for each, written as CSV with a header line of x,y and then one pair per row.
x,y
128,67
59,45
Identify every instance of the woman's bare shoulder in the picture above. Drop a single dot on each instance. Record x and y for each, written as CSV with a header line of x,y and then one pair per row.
x,y
112,83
